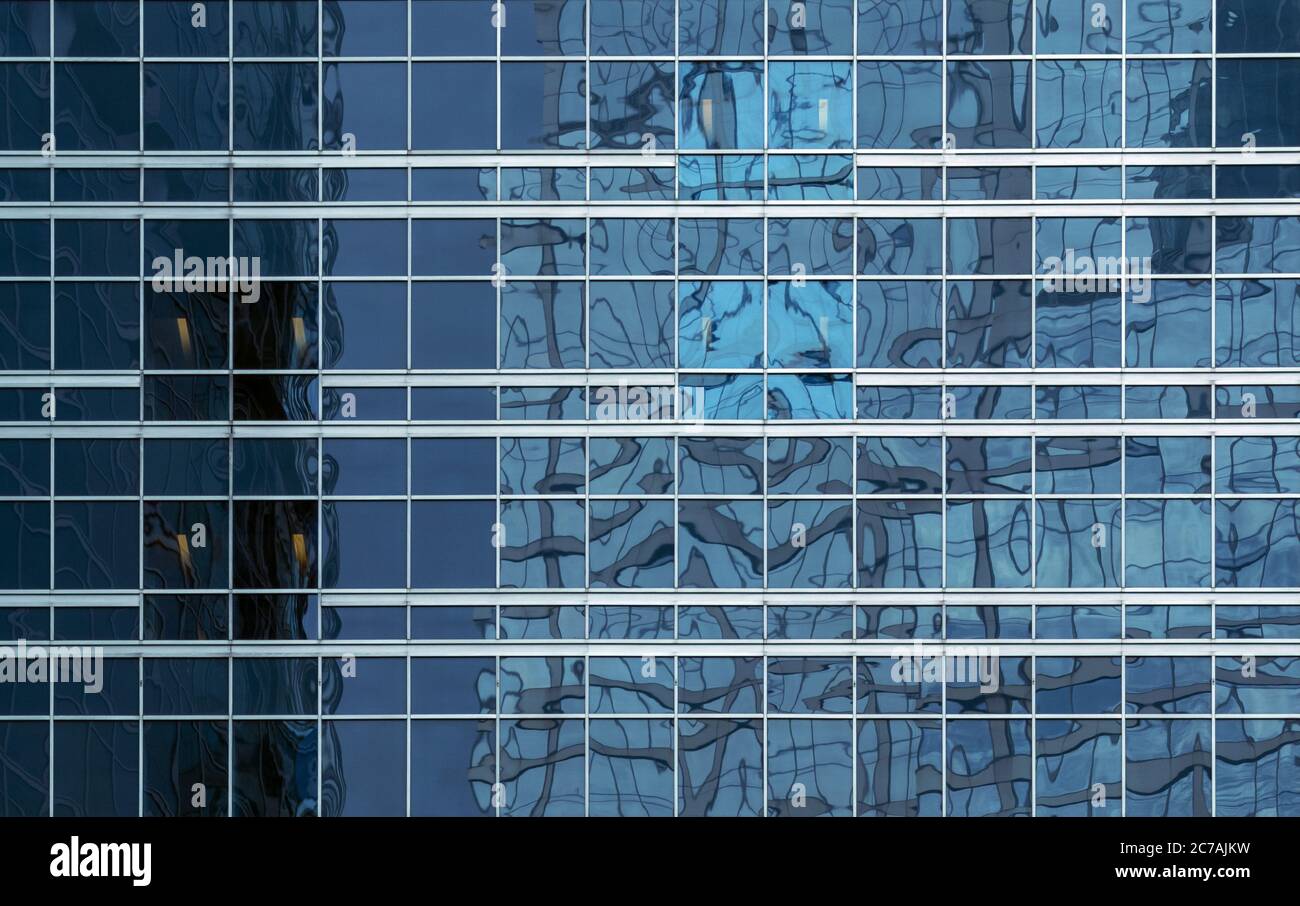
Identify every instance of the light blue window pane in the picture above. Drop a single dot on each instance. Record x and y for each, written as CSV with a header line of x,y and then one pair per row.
x,y
989,768
900,183
631,104
1079,104
631,544
1167,465
1077,465
726,396
809,544
1256,543
1169,324
809,396
990,104
720,247
1077,26
720,27
1255,323
636,248
543,544
900,247
810,768
899,544
810,326
811,105
1167,104
1078,183
632,28
1074,757
542,465
990,544
809,465
902,27
1182,27
1167,543
630,770
806,246
1168,768
720,544
720,177
899,324
721,324
900,105
1079,543
632,324
1255,768
721,106
1257,685
901,768
1257,465
810,177
824,28
542,325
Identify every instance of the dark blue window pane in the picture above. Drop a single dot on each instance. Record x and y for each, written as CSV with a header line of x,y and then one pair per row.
x,y
174,28
96,545
276,768
186,106
276,106
990,104
27,91
97,107
286,29
365,28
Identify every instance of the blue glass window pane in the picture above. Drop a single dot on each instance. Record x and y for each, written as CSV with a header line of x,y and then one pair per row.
x,y
720,27
544,105
1077,26
364,28
621,247
365,106
633,28
722,106
1078,103
899,543
1253,323
990,104
811,105
989,324
1173,28
1167,543
900,247
900,105
900,183
1167,104
1078,543
464,93
809,326
1078,183
719,544
631,104
24,28
1074,759
721,324
1245,88
1256,545
722,177
901,768
809,544
1169,324
988,768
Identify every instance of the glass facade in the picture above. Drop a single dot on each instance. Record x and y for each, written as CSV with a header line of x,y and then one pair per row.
x,y
650,407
